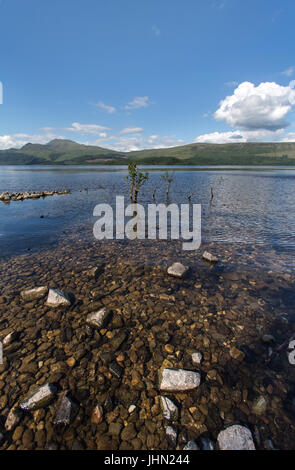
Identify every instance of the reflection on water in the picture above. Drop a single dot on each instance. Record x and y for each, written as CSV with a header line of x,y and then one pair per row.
x,y
250,206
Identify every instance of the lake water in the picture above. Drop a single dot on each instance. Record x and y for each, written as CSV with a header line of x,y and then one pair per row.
x,y
251,206
221,310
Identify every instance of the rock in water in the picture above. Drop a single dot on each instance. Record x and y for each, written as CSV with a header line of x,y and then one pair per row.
x,y
197,358
235,437
98,319
97,415
9,338
209,257
34,294
179,380
13,418
191,445
39,399
177,270
259,406
171,434
207,444
66,412
170,411
57,298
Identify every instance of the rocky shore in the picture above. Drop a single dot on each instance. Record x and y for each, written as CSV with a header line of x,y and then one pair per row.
x,y
7,197
105,349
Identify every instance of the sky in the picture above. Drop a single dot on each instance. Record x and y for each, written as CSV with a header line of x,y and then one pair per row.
x,y
135,74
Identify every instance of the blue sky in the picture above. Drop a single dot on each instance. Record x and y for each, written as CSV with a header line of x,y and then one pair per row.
x,y
138,74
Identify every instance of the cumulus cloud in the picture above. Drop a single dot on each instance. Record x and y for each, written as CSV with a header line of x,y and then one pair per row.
x,y
138,102
237,136
290,137
18,140
262,107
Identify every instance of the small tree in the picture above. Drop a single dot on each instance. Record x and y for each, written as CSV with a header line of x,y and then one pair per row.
x,y
168,180
136,179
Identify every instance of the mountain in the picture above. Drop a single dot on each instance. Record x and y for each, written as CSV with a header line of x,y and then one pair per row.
x,y
67,152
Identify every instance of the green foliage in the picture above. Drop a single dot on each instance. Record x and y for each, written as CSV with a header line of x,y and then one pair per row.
x,y
136,179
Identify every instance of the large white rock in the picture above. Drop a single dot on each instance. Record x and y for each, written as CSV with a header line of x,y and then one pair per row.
x,y
39,399
34,294
98,319
235,437
171,434
177,270
191,445
170,410
173,380
57,298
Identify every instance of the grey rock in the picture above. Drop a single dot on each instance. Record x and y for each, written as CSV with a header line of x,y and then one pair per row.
x,y
197,358
34,294
179,380
209,257
170,410
171,434
177,270
191,445
98,319
57,298
9,338
39,399
67,410
235,437
267,339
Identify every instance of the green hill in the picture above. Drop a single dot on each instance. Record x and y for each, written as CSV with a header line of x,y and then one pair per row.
x,y
67,152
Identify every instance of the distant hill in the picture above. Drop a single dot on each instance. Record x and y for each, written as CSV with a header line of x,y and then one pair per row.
x,y
67,152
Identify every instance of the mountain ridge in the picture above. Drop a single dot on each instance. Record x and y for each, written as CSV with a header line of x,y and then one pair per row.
x,y
66,152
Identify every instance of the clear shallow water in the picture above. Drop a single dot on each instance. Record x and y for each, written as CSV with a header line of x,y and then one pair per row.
x,y
254,206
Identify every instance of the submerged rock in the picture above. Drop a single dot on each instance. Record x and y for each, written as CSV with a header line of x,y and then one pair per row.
x,y
259,406
170,410
177,270
99,319
57,298
207,444
34,294
267,339
66,412
235,437
171,434
39,399
10,338
179,380
191,445
197,358
209,257
237,354
97,415
13,418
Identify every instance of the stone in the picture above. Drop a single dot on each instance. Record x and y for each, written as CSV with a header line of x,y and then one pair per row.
x,y
131,409
235,437
66,412
170,410
191,445
98,319
209,257
171,434
57,298
97,415
179,380
197,358
10,338
267,339
128,433
116,370
259,406
34,294
177,270
207,444
39,399
13,418
237,354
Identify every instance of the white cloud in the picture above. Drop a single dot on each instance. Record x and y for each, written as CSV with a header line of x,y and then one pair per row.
x,y
131,130
86,128
20,139
253,108
289,72
109,109
237,136
290,137
138,102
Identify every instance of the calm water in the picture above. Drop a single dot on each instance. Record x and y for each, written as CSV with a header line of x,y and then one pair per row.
x,y
251,205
